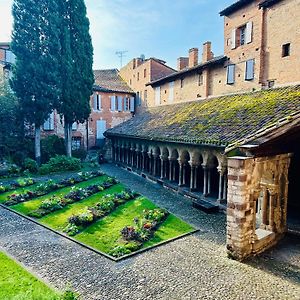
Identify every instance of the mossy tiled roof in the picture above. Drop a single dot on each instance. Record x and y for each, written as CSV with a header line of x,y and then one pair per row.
x,y
216,121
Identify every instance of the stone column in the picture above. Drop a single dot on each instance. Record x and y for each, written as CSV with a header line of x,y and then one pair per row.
x,y
208,181
162,168
137,159
174,171
271,211
205,181
195,177
180,181
170,169
143,161
113,153
154,165
150,162
128,156
183,173
264,209
192,180
221,176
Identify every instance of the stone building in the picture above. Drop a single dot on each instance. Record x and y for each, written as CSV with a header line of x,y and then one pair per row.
x,y
229,136
6,59
112,103
140,71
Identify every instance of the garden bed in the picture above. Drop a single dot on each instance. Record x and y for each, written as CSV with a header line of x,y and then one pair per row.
x,y
112,220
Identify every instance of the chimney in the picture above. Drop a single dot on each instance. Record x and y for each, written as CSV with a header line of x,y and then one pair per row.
x,y
193,57
138,61
182,62
207,54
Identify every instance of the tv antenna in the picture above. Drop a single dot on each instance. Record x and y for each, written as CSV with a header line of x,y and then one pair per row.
x,y
121,54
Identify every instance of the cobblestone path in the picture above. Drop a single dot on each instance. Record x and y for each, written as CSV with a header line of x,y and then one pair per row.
x,y
194,267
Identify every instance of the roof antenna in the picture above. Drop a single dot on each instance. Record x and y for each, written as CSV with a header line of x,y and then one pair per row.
x,y
121,54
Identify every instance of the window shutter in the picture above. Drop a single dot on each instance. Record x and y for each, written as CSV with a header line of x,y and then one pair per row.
x,y
120,104
113,103
95,102
233,38
249,75
100,101
157,95
132,106
171,92
249,28
230,74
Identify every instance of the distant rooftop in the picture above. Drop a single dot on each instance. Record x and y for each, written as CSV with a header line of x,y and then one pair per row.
x,y
110,81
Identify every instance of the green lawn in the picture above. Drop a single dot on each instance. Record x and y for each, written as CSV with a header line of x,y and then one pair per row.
x,y
28,206
105,234
18,284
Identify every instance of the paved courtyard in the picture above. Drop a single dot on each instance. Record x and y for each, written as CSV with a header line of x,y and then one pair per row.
x,y
194,267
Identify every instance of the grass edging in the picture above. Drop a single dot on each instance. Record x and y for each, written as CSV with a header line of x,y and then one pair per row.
x,y
93,249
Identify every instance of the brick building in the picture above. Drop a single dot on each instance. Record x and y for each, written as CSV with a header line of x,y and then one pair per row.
x,y
112,103
6,59
259,53
140,71
229,136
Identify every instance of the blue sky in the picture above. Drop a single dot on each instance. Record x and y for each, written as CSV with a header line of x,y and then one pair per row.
x,y
164,29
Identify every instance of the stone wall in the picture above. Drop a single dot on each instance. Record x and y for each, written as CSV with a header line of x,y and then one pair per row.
x,y
256,203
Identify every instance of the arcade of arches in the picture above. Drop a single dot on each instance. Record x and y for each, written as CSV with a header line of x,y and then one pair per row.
x,y
200,170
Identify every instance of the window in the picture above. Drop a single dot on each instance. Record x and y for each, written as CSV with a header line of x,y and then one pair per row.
x,y
145,73
249,75
181,82
76,143
242,35
113,103
157,95
130,82
49,123
74,126
286,48
138,76
97,105
120,103
145,96
126,104
132,104
138,98
200,79
230,74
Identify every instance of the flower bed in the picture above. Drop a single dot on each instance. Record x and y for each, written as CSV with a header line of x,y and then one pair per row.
x,y
92,214
50,186
77,194
135,236
17,184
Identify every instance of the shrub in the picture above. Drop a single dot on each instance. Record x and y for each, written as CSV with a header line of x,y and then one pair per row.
x,y
71,229
69,295
80,153
50,146
119,251
14,170
31,165
2,189
61,163
52,204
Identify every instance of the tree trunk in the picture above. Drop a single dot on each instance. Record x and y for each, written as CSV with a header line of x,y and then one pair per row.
x,y
37,145
68,139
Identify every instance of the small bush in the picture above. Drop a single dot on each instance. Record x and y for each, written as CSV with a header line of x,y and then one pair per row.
x,y
69,295
52,145
119,251
31,165
79,153
60,163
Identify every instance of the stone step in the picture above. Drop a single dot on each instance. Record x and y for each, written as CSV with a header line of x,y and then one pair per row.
x,y
205,206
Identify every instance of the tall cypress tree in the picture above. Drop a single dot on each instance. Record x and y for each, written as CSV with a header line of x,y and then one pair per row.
x,y
77,66
36,45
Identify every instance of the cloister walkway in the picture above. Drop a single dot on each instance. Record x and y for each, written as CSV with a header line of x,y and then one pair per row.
x,y
195,267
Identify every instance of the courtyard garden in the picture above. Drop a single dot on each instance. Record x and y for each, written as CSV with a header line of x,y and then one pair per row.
x,y
96,210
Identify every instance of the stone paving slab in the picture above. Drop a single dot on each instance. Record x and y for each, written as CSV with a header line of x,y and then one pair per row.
x,y
194,267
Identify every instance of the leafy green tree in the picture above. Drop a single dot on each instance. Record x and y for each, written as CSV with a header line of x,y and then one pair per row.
x,y
77,66
10,121
36,76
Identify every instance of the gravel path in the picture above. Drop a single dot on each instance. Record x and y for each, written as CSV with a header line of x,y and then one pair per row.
x,y
194,267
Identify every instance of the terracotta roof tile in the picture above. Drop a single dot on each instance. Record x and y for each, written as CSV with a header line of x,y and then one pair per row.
x,y
110,81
